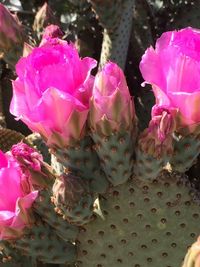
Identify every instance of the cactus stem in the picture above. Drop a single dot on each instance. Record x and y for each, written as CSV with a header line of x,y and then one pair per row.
x,y
115,43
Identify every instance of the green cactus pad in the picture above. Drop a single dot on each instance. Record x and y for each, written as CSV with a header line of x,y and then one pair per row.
x,y
116,154
108,13
186,151
73,200
11,257
41,242
148,167
146,224
115,39
38,143
8,138
83,161
45,208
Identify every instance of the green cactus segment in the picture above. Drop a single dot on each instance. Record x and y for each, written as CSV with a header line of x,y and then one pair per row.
x,y
117,29
116,154
38,143
146,224
8,138
186,151
45,208
41,242
11,257
72,199
83,161
107,12
148,167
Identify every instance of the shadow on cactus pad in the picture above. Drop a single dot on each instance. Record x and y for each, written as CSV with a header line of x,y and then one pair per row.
x,y
146,223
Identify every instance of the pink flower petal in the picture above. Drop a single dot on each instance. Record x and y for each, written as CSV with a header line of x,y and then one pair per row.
x,y
10,188
173,69
53,83
3,160
150,67
188,105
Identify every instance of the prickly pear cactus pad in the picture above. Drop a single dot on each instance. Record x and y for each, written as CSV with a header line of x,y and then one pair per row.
x,y
146,223
185,153
82,160
8,138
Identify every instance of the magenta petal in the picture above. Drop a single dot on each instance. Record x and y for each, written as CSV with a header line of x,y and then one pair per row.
x,y
21,67
150,67
188,105
164,40
47,80
173,70
10,188
60,102
21,218
183,75
3,160
18,104
27,201
54,82
6,217
85,92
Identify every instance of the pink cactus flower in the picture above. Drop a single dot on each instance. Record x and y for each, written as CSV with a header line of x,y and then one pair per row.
x,y
111,101
173,70
14,201
51,94
11,32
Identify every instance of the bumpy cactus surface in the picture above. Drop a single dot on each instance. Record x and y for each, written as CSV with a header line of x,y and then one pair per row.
x,y
145,222
118,191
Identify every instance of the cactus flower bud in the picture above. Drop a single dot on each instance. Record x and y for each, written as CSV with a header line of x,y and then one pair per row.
x,y
111,105
11,33
112,122
15,201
